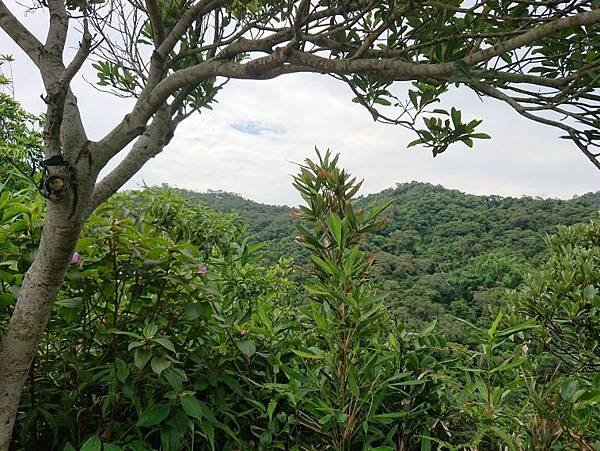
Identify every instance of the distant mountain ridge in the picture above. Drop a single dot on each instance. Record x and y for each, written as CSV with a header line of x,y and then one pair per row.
x,y
442,253
230,201
274,221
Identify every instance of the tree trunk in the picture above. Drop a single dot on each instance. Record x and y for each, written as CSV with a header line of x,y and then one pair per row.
x,y
34,305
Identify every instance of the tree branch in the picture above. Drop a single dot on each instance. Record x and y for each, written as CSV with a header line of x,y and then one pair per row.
x,y
158,28
71,127
497,94
80,57
529,37
59,26
20,35
199,9
148,145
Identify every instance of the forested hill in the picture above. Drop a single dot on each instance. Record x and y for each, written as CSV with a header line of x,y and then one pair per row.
x,y
443,253
432,212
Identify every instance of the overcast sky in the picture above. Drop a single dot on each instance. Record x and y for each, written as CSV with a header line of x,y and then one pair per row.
x,y
249,142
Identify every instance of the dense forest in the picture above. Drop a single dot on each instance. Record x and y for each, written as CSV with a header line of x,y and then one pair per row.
x,y
380,323
441,254
418,318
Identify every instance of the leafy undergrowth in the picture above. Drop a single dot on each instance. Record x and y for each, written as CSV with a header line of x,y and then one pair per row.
x,y
172,333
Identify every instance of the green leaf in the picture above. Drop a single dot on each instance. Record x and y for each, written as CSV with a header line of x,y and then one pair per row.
x,y
92,444
504,333
194,310
6,299
153,415
568,390
589,292
413,98
469,324
165,342
506,57
319,319
159,364
382,101
508,365
386,418
341,417
69,303
121,369
175,377
456,117
141,357
425,444
192,408
430,328
335,226
271,408
352,384
111,447
134,344
325,266
415,142
248,347
121,332
306,355
492,330
150,330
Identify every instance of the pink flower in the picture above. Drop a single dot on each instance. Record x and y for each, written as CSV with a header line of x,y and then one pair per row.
x,y
202,269
77,259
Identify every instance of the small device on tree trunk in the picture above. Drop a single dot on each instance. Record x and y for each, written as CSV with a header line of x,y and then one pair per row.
x,y
53,186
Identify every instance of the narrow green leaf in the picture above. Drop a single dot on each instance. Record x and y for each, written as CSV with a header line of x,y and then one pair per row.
x,y
352,383
121,369
192,408
335,226
425,444
494,326
271,408
306,355
111,447
153,415
319,319
382,101
415,142
456,117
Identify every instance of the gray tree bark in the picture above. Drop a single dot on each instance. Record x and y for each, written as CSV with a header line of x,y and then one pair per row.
x,y
28,322
62,227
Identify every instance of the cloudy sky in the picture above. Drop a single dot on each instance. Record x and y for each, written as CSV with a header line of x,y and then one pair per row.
x,y
258,129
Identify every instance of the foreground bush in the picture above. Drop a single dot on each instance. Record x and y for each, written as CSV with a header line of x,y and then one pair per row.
x,y
170,334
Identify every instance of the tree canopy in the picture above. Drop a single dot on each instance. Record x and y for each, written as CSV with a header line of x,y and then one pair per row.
x,y
442,253
170,332
173,57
